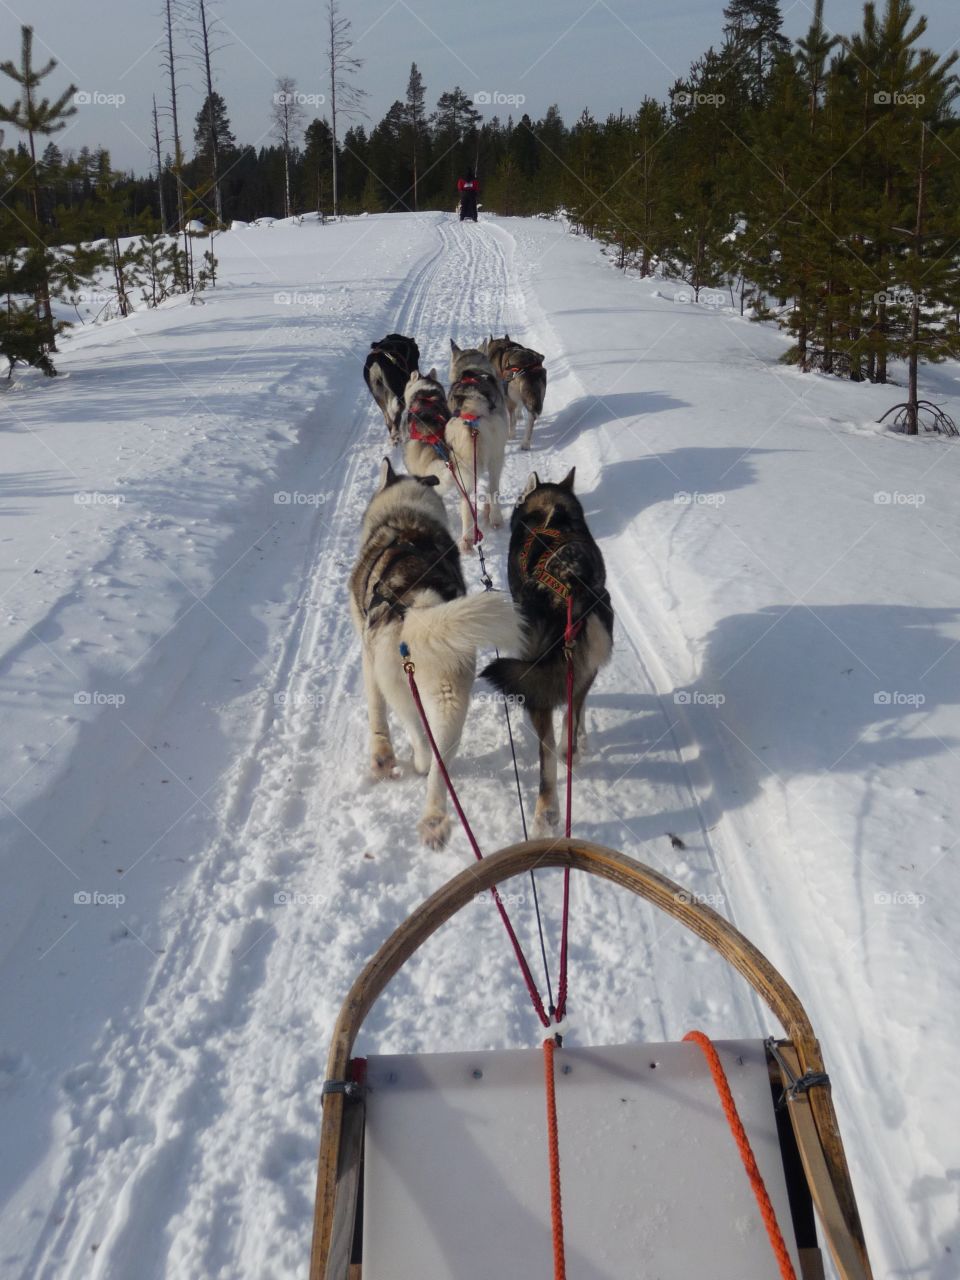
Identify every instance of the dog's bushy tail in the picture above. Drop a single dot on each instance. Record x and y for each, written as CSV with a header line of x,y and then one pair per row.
x,y
539,684
449,634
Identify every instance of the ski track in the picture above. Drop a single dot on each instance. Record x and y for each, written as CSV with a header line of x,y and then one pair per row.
x,y
192,1133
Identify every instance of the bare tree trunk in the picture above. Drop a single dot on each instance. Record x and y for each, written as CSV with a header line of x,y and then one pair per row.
x,y
177,151
156,143
912,427
214,139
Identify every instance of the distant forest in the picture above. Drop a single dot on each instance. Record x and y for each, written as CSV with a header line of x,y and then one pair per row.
x,y
816,181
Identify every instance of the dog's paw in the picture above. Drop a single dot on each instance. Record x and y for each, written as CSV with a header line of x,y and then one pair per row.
x,y
496,518
546,820
434,829
383,764
526,446
422,760
466,544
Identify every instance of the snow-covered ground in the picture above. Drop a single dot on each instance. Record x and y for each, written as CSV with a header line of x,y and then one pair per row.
x,y
193,864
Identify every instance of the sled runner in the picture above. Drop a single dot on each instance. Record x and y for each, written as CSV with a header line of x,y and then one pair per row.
x,y
435,1166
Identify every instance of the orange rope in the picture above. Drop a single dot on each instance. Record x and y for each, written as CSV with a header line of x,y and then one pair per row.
x,y
746,1153
553,1143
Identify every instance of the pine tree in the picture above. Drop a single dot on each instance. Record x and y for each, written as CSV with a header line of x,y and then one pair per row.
x,y
316,165
36,117
416,121
753,29
214,140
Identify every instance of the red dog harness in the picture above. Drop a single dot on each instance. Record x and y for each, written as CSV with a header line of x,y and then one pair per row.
x,y
428,419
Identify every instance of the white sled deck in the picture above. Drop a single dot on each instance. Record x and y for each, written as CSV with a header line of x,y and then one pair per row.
x,y
449,1166
455,1167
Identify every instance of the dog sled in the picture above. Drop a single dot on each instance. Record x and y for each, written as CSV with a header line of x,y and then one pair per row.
x,y
440,1166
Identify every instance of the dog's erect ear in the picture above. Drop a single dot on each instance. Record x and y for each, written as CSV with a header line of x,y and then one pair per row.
x,y
432,375
429,481
454,348
528,488
413,375
506,337
567,481
387,475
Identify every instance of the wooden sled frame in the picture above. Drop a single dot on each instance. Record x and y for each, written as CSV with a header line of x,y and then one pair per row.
x,y
811,1110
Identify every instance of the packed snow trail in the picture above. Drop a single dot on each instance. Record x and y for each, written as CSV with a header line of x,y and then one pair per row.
x,y
184,1092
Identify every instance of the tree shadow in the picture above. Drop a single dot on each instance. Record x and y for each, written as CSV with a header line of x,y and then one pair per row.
x,y
587,412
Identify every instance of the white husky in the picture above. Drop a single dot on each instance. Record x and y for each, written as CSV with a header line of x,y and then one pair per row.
x,y
407,587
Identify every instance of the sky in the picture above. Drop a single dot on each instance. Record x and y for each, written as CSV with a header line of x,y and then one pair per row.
x,y
605,54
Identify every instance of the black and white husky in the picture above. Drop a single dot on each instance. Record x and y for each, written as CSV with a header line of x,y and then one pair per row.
x,y
407,587
554,559
477,431
385,371
524,379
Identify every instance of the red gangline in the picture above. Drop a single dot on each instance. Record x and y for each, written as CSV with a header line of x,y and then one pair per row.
x,y
553,1149
515,941
569,635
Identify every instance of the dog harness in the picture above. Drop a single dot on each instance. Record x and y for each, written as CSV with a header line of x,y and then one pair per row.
x,y
539,572
428,418
512,370
380,595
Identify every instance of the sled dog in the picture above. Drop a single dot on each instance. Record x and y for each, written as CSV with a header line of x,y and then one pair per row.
x,y
524,379
477,428
424,430
553,559
386,370
407,587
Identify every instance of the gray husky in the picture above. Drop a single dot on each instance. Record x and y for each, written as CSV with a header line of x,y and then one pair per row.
x,y
407,587
477,428
524,378
553,559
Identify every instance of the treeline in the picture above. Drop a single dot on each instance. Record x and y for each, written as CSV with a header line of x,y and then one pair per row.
x,y
816,182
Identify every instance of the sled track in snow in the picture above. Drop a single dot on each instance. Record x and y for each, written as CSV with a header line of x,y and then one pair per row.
x,y
214,1176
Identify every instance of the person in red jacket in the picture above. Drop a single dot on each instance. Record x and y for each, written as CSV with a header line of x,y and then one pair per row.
x,y
469,189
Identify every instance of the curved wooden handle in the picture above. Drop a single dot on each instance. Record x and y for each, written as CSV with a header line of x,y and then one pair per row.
x,y
609,865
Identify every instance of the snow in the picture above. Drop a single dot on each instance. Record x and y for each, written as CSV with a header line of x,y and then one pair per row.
x,y
184,728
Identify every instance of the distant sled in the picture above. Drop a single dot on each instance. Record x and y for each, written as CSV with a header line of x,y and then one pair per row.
x,y
435,1166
